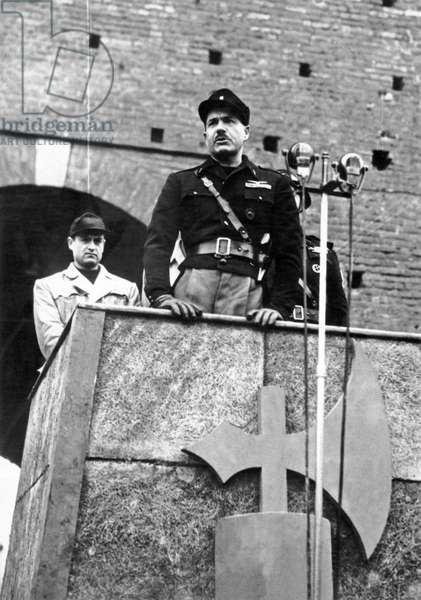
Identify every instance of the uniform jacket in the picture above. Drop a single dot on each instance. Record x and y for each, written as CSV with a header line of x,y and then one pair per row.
x,y
263,201
336,303
56,296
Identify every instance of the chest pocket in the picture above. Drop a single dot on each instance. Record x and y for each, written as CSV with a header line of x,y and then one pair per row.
x,y
66,304
262,195
118,298
257,206
198,205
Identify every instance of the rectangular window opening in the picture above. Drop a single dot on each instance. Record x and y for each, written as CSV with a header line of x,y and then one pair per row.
x,y
215,57
157,135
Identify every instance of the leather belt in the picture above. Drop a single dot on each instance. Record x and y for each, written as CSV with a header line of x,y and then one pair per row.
x,y
224,247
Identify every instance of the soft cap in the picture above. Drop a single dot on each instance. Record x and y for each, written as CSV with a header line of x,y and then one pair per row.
x,y
87,222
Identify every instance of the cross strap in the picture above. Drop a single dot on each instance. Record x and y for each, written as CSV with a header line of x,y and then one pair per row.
x,y
230,214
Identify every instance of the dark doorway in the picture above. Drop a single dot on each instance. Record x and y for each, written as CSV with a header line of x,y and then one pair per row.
x,y
34,222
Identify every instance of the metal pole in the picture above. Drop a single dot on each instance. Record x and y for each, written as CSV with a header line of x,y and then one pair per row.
x,y
347,371
306,403
321,380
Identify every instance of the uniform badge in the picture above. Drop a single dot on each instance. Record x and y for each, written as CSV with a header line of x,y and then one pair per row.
x,y
316,268
250,214
251,183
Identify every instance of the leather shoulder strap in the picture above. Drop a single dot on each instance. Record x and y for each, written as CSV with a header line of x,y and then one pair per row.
x,y
230,214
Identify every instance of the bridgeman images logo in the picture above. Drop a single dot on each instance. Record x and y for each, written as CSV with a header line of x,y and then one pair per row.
x,y
69,72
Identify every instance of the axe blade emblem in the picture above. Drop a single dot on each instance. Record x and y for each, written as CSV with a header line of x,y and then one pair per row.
x,y
261,554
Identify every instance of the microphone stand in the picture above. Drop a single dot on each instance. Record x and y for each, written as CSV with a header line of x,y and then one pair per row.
x,y
350,172
321,380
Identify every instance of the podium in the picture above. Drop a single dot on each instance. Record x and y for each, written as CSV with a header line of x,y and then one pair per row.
x,y
109,507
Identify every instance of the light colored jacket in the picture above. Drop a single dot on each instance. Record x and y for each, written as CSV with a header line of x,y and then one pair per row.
x,y
56,296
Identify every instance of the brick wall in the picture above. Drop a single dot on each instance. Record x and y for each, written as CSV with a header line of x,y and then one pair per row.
x,y
160,51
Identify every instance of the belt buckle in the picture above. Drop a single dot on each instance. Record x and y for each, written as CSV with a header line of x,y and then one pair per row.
x,y
222,247
298,313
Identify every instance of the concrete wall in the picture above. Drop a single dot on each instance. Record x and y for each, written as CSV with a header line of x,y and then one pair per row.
x,y
160,54
144,524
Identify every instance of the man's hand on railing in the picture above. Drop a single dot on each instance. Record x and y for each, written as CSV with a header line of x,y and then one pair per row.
x,y
180,308
264,316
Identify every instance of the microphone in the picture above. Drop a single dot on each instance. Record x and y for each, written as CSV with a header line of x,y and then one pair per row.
x,y
350,171
301,159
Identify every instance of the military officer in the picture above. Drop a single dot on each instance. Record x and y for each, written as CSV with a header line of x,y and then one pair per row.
x,y
336,302
84,280
234,218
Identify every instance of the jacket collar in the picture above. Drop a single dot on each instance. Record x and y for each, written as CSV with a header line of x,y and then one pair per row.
x,y
211,165
102,286
72,272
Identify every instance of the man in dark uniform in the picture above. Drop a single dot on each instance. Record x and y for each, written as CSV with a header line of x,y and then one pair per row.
x,y
336,302
234,219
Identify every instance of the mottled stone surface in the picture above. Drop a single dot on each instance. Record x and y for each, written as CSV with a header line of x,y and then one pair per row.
x,y
147,514
284,366
162,384
398,369
155,526
148,405
146,532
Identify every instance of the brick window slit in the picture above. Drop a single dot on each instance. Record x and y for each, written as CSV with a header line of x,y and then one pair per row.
x,y
398,83
215,57
356,278
380,159
157,134
271,143
304,69
388,3
94,40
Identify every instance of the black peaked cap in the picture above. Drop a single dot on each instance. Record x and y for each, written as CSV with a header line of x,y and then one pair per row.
x,y
227,98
